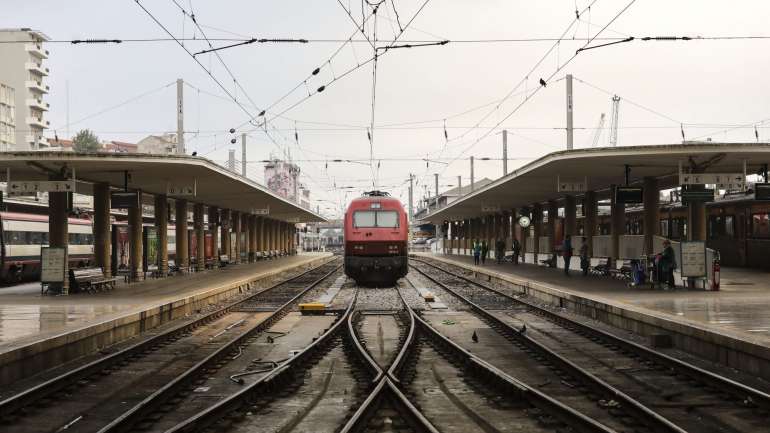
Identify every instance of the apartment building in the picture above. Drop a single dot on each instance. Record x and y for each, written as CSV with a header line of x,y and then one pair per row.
x,y
22,70
7,117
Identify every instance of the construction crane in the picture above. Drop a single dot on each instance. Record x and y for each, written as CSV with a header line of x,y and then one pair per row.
x,y
614,121
598,131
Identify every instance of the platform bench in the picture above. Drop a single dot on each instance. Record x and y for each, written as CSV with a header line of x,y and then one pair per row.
x,y
90,280
625,272
224,260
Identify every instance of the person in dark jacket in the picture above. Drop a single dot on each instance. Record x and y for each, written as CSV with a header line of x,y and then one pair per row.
x,y
516,247
668,264
484,252
566,252
585,261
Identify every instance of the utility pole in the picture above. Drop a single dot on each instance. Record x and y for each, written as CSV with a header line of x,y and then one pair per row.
x,y
459,185
411,196
180,116
243,154
435,175
570,128
472,182
231,160
505,152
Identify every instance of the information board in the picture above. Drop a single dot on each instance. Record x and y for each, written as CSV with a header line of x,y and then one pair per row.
x,y
52,264
693,259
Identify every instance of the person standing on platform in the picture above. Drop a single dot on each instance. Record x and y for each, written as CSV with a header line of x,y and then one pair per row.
x,y
484,252
476,252
584,259
668,264
499,250
566,251
516,247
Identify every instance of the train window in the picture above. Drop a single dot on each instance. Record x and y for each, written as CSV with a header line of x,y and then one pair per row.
x,y
15,238
760,225
364,219
387,219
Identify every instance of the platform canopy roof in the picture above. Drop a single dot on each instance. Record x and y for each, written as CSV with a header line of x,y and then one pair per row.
x,y
599,168
152,174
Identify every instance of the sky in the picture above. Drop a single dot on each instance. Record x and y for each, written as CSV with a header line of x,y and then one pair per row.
x,y
481,82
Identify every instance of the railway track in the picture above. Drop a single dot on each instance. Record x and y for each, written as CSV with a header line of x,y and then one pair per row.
x,y
91,396
658,391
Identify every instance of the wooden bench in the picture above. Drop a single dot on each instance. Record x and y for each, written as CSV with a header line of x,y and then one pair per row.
x,y
602,268
90,280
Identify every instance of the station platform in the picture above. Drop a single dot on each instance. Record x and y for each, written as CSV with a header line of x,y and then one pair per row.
x,y
32,324
731,325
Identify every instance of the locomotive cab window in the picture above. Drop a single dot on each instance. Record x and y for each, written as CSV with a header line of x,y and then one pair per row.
x,y
372,219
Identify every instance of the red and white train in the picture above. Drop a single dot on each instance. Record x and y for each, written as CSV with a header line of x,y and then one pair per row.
x,y
376,235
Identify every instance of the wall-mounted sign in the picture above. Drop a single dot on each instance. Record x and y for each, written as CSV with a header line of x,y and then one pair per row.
x,y
693,259
181,189
721,180
265,211
571,186
52,264
124,199
629,194
524,221
25,187
490,208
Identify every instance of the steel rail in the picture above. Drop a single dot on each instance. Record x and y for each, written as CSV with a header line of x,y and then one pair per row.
x,y
508,384
744,392
639,411
71,378
371,365
130,418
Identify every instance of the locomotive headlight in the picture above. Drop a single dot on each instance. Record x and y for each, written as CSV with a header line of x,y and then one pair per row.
x,y
358,247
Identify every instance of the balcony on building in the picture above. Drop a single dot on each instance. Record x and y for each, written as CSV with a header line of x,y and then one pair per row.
x,y
37,85
36,49
38,103
41,141
37,68
38,121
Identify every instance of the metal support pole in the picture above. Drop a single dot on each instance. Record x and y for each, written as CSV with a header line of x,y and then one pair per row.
x,y
505,152
472,186
411,196
570,128
435,176
180,116
243,154
459,185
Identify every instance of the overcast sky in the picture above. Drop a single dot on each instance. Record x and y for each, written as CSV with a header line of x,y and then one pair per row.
x,y
708,85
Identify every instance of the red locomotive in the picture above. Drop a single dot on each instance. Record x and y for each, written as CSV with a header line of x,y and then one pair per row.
x,y
376,235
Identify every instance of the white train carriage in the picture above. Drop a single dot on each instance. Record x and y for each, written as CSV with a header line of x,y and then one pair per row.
x,y
24,234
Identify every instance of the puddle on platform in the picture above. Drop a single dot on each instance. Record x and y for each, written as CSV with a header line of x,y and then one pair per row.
x,y
18,321
746,315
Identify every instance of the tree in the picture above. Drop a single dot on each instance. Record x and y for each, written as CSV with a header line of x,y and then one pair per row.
x,y
85,142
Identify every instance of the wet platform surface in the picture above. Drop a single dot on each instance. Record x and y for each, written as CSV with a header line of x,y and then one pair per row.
x,y
741,306
26,315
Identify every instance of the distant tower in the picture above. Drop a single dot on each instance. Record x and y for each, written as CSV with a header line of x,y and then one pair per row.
x,y
614,121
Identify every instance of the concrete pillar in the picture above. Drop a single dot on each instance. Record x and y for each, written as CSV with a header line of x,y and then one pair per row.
x,y
200,236
161,224
252,223
235,222
651,213
261,234
590,212
553,217
617,224
224,224
696,221
182,247
58,235
268,228
135,235
274,236
570,216
537,224
102,235
214,229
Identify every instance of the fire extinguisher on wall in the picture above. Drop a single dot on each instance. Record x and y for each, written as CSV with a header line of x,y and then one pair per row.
x,y
715,274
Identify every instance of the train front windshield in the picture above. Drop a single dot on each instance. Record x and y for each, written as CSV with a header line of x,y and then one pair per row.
x,y
371,219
